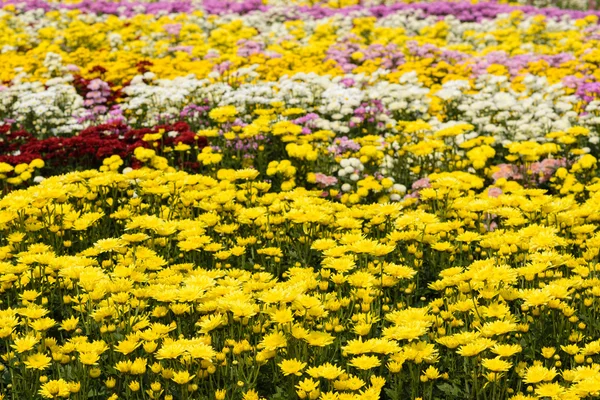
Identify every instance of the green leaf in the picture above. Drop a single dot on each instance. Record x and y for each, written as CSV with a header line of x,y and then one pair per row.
x,y
280,394
450,390
392,394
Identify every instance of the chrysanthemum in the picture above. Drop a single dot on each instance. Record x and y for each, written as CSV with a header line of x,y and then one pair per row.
x,y
365,362
37,361
539,373
292,367
55,389
24,343
496,364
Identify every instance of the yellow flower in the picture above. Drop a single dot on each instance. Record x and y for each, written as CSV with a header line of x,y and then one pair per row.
x,y
126,346
26,295
170,351
24,343
273,341
201,351
506,350
551,390
327,371
292,367
210,322
182,377
539,373
496,364
250,395
284,316
70,323
55,389
150,347
37,361
432,373
134,386
571,349
138,367
307,385
420,351
475,347
223,114
548,352
74,387
123,367
365,362
319,339
246,174
89,358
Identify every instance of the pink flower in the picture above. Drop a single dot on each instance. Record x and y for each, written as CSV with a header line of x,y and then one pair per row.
x,y
223,67
325,180
95,84
545,169
507,171
413,195
172,29
421,184
492,227
185,49
494,192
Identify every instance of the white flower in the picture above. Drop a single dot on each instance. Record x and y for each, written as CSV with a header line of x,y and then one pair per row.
x,y
504,100
355,162
397,187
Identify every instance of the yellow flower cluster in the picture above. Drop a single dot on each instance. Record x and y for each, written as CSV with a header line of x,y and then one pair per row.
x,y
120,44
19,173
168,283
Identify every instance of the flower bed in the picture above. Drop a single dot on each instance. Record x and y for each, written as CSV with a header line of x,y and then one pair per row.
x,y
258,200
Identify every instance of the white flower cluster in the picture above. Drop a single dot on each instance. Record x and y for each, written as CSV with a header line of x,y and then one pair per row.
x,y
151,99
351,168
50,109
497,110
571,4
53,64
334,101
591,119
